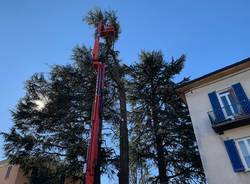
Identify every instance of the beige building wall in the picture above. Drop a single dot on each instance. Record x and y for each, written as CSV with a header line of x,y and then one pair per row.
x,y
214,157
16,175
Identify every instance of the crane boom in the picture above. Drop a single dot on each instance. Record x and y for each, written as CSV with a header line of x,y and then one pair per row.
x,y
102,31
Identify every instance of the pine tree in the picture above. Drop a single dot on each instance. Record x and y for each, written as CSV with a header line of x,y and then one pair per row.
x,y
116,72
49,138
52,121
50,134
161,131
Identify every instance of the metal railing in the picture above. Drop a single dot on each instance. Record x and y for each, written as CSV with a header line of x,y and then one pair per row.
x,y
230,112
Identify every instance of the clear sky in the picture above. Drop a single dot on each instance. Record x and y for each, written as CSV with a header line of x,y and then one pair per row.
x,y
35,34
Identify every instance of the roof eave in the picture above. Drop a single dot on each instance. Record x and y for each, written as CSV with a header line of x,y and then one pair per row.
x,y
236,67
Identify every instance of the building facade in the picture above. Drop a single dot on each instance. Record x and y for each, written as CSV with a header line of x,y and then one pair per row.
x,y
13,174
219,107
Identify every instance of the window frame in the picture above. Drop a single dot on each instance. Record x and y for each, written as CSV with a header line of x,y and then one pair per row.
x,y
225,93
247,169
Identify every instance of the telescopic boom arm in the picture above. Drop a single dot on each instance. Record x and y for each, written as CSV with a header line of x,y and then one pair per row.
x,y
102,31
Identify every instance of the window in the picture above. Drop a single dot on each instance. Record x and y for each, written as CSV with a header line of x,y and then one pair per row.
x,y
244,150
8,172
228,103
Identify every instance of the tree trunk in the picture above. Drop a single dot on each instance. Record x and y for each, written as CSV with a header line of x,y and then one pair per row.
x,y
124,149
98,167
117,75
161,160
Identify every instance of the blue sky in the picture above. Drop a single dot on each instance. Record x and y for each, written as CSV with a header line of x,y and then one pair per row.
x,y
35,34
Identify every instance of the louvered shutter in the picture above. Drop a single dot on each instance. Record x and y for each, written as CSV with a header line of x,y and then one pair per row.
x,y
217,110
234,155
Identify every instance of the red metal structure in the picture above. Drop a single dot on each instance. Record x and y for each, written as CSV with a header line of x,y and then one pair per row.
x,y
103,30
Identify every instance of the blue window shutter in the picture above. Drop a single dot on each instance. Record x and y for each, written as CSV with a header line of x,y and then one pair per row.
x,y
219,115
234,155
242,97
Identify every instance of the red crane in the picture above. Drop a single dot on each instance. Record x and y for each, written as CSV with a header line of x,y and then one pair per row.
x,y
104,30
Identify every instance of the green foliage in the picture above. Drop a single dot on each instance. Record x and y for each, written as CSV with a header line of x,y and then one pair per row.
x,y
51,128
116,73
52,121
95,16
161,131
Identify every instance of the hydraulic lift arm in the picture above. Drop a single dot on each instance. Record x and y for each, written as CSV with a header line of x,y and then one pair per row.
x,y
103,30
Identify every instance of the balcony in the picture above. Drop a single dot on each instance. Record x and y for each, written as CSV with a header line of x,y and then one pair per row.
x,y
229,117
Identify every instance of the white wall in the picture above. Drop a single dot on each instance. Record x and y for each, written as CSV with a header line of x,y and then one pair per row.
x,y
214,157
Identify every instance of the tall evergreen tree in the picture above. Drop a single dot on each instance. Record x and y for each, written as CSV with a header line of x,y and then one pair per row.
x,y
52,121
162,133
50,134
116,72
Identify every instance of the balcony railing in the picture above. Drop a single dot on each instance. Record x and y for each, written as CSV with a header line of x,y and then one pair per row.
x,y
230,113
